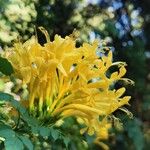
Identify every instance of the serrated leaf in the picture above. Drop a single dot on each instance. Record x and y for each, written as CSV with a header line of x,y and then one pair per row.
x,y
26,141
5,66
54,133
13,144
44,131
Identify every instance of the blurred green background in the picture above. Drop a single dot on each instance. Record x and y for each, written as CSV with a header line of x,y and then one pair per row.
x,y
123,24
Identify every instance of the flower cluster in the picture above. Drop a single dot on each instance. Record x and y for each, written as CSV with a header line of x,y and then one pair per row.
x,y
64,80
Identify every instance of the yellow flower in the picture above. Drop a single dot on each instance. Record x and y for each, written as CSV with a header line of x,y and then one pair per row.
x,y
64,81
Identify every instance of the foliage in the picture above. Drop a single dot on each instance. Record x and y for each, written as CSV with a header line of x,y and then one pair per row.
x,y
18,136
16,19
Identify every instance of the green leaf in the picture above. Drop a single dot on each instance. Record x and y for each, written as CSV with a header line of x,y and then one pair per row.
x,y
34,129
66,141
54,133
13,144
6,97
44,131
5,66
11,141
26,141
90,139
7,133
22,110
32,122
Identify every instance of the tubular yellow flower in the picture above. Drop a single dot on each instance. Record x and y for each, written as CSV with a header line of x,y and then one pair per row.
x,y
64,81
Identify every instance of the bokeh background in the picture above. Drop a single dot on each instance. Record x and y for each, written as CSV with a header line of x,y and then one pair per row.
x,y
123,24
